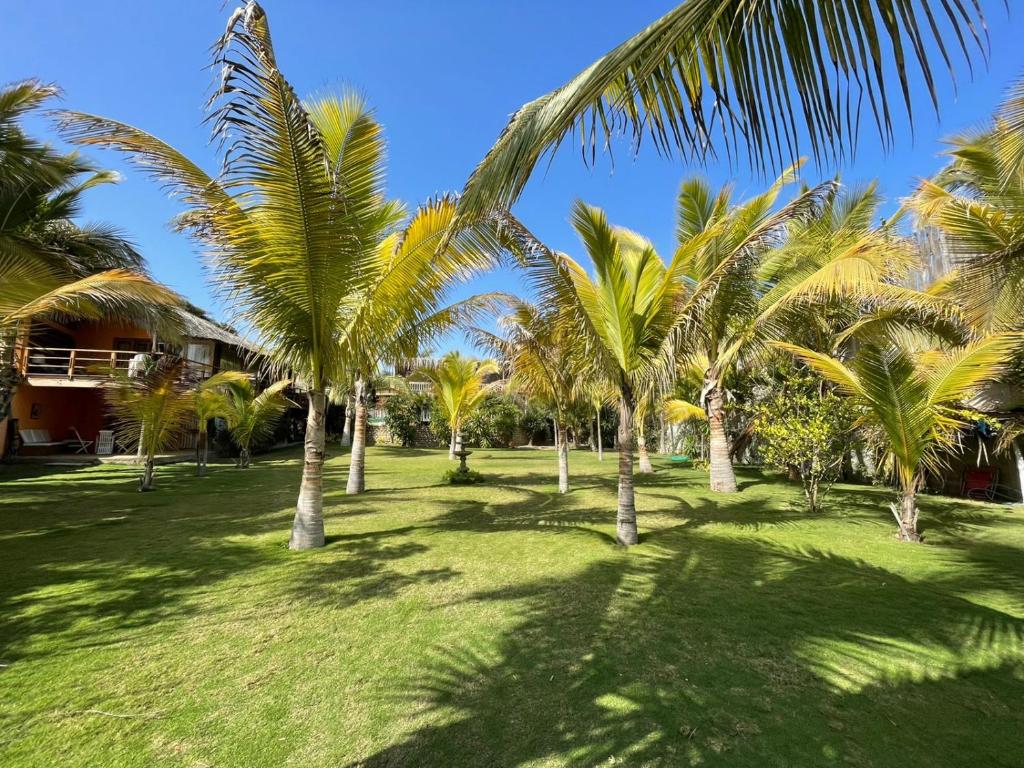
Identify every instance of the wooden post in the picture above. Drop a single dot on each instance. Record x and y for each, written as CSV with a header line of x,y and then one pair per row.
x,y
71,366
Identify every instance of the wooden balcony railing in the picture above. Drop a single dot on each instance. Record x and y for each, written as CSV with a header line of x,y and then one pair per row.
x,y
72,364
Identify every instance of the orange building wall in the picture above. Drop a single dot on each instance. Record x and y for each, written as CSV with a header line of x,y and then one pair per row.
x,y
60,408
102,335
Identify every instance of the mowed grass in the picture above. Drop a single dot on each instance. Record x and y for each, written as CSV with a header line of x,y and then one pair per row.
x,y
499,625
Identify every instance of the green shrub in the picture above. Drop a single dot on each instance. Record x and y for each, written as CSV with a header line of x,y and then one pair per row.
x,y
458,476
804,425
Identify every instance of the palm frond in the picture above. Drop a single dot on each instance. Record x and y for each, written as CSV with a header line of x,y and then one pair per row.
x,y
740,75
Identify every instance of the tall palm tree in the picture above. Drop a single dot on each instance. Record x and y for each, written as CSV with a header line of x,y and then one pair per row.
x,y
210,401
977,203
753,76
288,222
50,265
408,277
153,406
914,398
540,355
721,247
626,318
252,416
460,386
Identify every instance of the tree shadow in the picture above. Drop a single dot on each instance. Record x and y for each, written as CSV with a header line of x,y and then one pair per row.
x,y
704,651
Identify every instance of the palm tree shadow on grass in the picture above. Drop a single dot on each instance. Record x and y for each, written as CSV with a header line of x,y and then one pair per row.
x,y
135,561
722,652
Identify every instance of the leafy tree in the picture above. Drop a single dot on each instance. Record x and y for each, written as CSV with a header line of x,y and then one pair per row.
x,y
760,76
977,203
801,272
408,273
534,420
913,398
153,406
292,225
493,423
403,415
804,425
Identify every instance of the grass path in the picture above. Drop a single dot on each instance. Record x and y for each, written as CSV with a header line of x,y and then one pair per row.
x,y
498,625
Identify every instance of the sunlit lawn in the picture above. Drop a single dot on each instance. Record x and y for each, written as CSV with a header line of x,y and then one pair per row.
x,y
499,625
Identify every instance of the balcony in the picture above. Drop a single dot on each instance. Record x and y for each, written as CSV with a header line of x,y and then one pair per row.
x,y
84,368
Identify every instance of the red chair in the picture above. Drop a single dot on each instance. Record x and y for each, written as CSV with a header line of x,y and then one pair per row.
x,y
980,483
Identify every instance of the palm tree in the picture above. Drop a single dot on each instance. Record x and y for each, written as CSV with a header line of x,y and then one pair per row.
x,y
210,401
252,416
626,318
460,386
800,272
288,222
408,277
977,203
914,399
153,406
759,76
51,266
539,353
720,248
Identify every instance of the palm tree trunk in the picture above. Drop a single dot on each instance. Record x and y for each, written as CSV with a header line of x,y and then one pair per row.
x,y
244,458
10,378
350,417
451,447
357,460
600,445
201,453
625,522
1018,458
148,472
563,459
907,516
723,479
645,467
308,527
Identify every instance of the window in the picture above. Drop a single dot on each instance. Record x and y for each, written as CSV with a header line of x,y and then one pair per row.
x,y
201,354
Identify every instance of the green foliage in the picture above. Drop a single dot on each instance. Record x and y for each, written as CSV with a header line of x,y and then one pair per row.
x,y
459,476
402,415
804,425
534,421
493,424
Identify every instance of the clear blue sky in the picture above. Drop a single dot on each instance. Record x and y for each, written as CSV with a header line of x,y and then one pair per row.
x,y
443,76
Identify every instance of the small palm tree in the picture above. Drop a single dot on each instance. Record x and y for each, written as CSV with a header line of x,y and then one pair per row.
x,y
714,75
540,356
210,401
460,386
153,407
914,399
253,416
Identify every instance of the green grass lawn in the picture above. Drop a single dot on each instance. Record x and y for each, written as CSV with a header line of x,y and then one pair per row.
x,y
499,625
